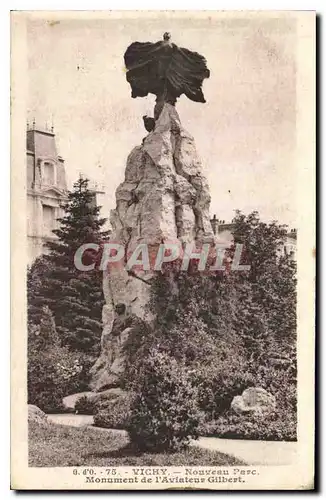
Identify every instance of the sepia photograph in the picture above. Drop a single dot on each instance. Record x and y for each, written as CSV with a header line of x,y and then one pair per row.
x,y
163,172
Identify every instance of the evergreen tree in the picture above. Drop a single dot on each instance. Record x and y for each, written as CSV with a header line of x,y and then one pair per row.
x,y
53,371
35,295
75,297
45,335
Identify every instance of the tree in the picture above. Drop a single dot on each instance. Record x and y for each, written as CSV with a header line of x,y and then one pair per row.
x,y
75,297
36,300
164,412
251,325
229,330
53,371
261,241
267,292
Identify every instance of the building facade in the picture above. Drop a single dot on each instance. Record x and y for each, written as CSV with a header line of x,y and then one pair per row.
x,y
46,189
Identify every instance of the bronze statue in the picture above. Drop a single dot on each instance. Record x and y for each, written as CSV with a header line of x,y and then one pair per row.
x,y
149,123
165,70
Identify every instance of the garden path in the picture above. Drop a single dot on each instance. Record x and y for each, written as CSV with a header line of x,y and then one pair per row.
x,y
251,452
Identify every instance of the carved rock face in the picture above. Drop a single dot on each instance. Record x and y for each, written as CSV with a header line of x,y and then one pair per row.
x,y
164,198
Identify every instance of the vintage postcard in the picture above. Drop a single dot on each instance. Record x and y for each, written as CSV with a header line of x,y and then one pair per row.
x,y
163,250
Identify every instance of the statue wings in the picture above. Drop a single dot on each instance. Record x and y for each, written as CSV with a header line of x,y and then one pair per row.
x,y
150,66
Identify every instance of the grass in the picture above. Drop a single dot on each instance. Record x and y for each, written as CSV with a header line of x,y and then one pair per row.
x,y
53,445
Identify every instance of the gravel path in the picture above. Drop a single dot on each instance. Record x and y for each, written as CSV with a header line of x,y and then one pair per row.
x,y
251,452
71,419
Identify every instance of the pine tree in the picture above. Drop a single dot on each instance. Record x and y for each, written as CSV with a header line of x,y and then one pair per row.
x,y
36,301
45,336
53,371
75,297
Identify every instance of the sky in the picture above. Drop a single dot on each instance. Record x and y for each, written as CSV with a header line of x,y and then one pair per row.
x,y
245,133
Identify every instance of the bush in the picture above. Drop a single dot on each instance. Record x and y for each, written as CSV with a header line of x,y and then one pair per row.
x,y
218,383
53,371
84,406
51,376
273,426
164,413
229,331
277,425
113,413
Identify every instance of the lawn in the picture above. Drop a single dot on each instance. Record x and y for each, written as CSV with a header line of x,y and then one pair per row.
x,y
53,445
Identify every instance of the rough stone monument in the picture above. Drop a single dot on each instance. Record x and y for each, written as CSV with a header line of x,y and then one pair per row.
x,y
164,196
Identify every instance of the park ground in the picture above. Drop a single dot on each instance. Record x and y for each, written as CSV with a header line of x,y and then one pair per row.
x,y
68,440
57,445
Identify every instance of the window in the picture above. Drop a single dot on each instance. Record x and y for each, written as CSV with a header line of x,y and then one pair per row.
x,y
48,173
48,220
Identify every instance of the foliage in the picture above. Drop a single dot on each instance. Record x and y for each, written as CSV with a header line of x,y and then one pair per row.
x,y
113,413
231,329
277,425
261,242
84,406
36,275
164,413
273,426
266,312
74,296
187,341
52,370
218,383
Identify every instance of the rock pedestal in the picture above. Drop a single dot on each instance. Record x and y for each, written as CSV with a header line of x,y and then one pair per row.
x,y
164,198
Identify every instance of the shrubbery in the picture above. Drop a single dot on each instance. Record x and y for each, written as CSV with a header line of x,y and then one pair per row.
x,y
218,383
213,337
273,426
229,331
51,375
113,413
84,406
164,413
53,371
